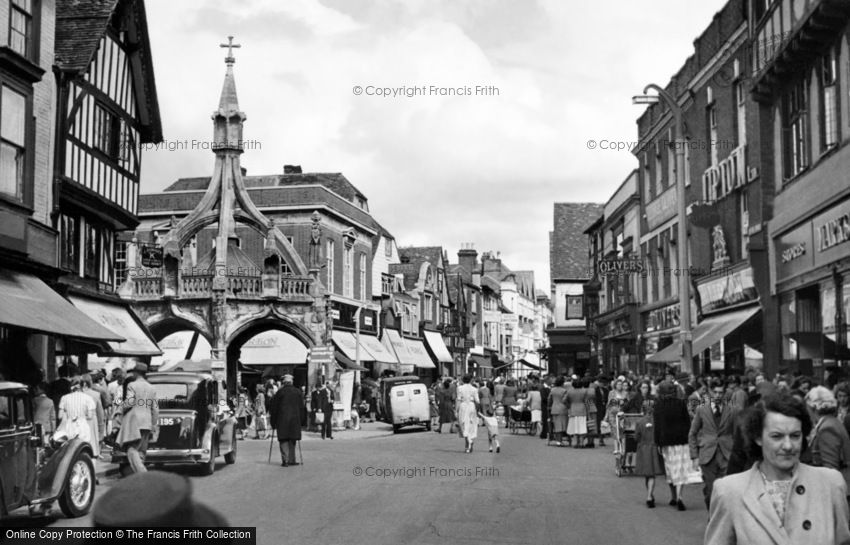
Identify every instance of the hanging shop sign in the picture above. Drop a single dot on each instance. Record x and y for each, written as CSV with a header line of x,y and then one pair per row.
x,y
727,289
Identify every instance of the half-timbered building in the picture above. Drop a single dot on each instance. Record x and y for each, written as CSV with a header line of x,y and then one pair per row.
x,y
106,110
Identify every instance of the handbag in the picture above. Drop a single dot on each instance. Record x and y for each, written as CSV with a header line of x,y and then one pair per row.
x,y
605,428
694,475
320,418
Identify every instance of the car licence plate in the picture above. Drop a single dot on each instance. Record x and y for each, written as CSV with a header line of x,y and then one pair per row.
x,y
169,421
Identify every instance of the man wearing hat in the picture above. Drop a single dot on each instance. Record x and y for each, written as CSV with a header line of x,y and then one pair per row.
x,y
285,416
140,418
153,499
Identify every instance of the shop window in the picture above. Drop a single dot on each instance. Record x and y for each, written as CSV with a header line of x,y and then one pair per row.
x,y
788,326
827,318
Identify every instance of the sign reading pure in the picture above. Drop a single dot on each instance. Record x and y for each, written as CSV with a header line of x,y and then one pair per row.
x,y
834,232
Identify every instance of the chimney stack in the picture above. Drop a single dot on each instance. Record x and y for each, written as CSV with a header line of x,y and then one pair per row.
x,y
467,257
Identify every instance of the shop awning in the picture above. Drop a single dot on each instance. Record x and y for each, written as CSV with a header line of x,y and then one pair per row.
x,y
480,361
273,347
438,347
346,344
120,319
706,333
347,362
531,360
418,355
29,303
378,351
393,342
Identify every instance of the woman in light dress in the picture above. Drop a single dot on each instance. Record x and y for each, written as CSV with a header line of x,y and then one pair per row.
x,y
467,411
78,415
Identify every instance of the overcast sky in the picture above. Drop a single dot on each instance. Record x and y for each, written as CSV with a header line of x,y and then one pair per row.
x,y
437,170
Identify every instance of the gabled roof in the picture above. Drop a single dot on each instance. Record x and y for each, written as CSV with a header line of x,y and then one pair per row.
x,y
80,25
568,254
412,260
525,283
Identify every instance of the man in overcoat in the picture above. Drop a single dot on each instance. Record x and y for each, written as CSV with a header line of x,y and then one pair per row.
x,y
140,420
326,407
285,416
712,435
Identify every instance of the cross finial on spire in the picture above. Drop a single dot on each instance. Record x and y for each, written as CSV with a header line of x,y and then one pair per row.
x,y
229,59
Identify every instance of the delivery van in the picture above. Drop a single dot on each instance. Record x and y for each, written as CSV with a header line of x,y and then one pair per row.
x,y
406,404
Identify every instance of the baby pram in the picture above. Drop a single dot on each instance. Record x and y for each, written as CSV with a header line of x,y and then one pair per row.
x,y
624,442
520,418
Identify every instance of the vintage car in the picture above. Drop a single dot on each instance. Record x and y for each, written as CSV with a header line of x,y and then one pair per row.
x,y
36,470
194,427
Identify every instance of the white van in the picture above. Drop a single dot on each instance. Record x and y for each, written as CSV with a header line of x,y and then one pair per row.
x,y
409,406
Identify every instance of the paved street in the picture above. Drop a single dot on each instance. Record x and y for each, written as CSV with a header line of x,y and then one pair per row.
x,y
530,493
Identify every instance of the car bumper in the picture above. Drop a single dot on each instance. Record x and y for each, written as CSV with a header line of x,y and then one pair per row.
x,y
169,456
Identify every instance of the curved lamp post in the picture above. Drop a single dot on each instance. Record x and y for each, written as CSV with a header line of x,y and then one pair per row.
x,y
685,335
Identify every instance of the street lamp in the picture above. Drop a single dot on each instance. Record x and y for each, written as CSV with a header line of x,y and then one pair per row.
x,y
682,236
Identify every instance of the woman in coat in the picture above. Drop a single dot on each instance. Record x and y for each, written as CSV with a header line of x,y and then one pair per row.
x,y
509,396
672,424
558,410
577,399
779,501
467,411
445,404
829,442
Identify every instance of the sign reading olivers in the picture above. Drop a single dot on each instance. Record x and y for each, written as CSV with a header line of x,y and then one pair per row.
x,y
620,266
833,232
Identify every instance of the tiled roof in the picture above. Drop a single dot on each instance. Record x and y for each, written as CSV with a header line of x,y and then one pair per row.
x,y
568,255
80,24
266,192
409,272
335,181
414,257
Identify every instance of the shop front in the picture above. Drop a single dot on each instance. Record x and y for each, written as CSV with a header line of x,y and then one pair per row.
x,y
36,324
812,271
617,331
660,331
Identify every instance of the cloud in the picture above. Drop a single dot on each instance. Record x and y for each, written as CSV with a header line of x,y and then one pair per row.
x,y
437,170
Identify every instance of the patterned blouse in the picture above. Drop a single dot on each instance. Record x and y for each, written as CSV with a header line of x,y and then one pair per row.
x,y
778,492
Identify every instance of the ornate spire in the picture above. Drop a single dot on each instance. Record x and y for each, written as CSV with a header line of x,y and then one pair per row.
x,y
227,120
229,102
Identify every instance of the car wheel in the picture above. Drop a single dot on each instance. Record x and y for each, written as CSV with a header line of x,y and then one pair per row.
x,y
230,457
427,426
209,467
78,494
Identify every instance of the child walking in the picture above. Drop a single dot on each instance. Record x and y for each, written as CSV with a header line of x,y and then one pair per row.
x,y
648,461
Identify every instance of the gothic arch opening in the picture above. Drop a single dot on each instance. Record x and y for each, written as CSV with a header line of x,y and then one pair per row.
x,y
268,348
